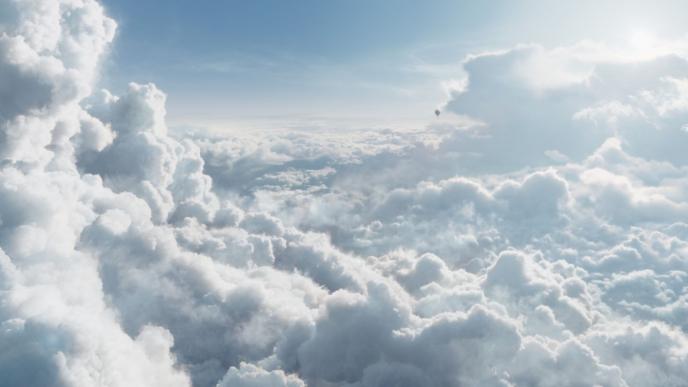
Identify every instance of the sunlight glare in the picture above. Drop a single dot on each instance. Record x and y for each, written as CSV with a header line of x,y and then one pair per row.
x,y
642,40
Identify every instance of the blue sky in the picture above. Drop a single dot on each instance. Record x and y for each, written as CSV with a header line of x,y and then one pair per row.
x,y
235,64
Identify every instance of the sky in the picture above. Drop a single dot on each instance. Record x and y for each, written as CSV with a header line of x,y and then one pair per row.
x,y
354,63
258,194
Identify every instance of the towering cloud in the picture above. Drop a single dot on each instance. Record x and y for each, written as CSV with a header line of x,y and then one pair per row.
x,y
546,245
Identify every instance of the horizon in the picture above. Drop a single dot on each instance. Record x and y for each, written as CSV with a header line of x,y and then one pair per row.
x,y
361,64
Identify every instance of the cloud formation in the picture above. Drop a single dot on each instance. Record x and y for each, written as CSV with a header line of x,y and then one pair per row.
x,y
545,246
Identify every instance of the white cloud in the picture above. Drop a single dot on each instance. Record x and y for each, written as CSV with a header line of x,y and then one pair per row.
x,y
546,246
248,375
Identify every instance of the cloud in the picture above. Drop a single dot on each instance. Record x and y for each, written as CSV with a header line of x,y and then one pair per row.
x,y
248,375
544,246
569,100
47,65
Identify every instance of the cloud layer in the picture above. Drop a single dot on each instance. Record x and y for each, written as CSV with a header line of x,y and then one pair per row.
x,y
546,244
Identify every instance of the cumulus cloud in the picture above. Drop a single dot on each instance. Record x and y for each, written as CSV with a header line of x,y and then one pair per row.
x,y
248,375
545,244
536,102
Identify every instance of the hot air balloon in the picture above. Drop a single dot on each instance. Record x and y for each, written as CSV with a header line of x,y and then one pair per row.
x,y
437,112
